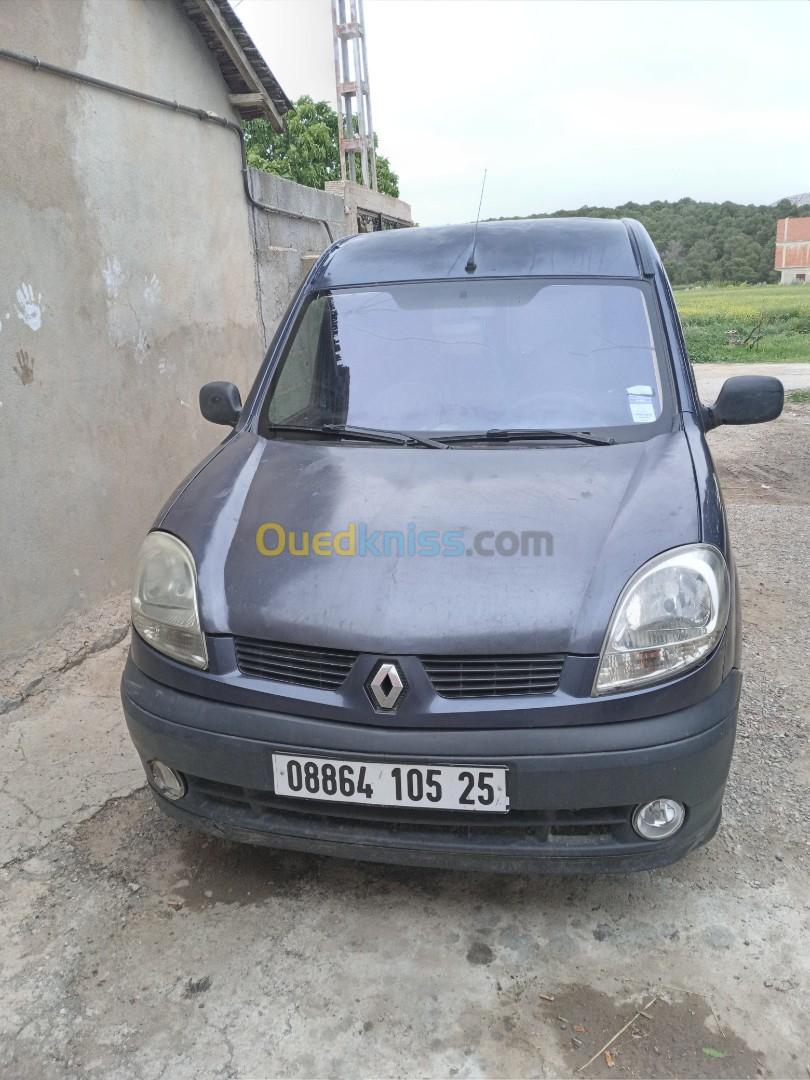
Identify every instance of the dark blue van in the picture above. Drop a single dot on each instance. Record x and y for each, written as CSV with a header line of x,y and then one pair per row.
x,y
457,589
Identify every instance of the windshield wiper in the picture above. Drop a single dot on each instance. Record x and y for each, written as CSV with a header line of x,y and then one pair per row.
x,y
527,435
385,435
348,431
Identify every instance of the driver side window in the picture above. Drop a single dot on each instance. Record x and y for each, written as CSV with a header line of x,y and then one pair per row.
x,y
293,392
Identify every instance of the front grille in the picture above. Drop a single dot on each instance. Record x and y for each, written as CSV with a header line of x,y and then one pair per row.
x,y
450,676
493,676
303,665
265,808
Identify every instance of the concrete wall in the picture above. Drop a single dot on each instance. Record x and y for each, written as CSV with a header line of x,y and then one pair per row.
x,y
788,277
359,200
132,270
287,247
126,280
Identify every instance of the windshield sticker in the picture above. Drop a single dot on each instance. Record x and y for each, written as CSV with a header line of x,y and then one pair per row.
x,y
642,406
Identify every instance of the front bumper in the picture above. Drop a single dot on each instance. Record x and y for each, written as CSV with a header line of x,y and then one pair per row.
x,y
572,789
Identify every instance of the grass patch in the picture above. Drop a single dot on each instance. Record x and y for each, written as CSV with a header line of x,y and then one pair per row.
x,y
746,322
799,397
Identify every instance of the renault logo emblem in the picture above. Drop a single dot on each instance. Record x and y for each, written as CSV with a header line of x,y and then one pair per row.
x,y
386,686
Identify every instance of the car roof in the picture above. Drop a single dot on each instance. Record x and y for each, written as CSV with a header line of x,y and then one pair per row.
x,y
545,247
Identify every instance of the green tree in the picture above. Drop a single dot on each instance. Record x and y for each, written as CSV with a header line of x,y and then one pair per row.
x,y
307,151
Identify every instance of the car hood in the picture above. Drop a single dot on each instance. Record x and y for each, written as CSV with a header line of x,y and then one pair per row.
x,y
605,510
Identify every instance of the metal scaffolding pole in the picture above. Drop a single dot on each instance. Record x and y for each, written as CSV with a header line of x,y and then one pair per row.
x,y
355,129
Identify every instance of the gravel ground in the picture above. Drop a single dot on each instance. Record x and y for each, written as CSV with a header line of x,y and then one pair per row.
x,y
133,948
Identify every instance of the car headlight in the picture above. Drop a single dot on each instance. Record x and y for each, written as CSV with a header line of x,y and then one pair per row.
x,y
164,600
670,615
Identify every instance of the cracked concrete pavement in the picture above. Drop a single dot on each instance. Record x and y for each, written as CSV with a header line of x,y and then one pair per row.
x,y
131,947
62,756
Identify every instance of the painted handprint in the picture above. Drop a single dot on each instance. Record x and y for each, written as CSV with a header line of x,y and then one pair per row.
x,y
113,276
151,288
24,367
29,309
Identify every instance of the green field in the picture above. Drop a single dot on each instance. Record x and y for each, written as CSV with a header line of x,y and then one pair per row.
x,y
746,322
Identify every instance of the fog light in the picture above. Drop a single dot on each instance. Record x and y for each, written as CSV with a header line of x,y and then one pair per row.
x,y
658,819
168,783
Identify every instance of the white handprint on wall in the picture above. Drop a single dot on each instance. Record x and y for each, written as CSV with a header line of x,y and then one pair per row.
x,y
113,276
151,289
29,309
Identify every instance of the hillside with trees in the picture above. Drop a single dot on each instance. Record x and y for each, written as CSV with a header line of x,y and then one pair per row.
x,y
702,242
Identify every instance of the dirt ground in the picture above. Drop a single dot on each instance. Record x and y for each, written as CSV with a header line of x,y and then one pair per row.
x,y
131,947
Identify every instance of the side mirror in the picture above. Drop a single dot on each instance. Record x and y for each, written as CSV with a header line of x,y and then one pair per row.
x,y
220,402
746,399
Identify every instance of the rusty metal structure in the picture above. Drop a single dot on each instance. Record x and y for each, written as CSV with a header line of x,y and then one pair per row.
x,y
356,130
375,221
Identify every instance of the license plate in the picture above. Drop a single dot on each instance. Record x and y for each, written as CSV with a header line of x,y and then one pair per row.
x,y
371,783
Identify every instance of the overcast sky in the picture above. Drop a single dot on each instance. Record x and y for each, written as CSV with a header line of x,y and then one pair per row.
x,y
567,103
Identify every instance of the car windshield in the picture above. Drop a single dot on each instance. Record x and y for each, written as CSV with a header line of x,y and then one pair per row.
x,y
465,356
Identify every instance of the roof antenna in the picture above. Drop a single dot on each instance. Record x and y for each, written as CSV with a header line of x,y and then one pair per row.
x,y
470,267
